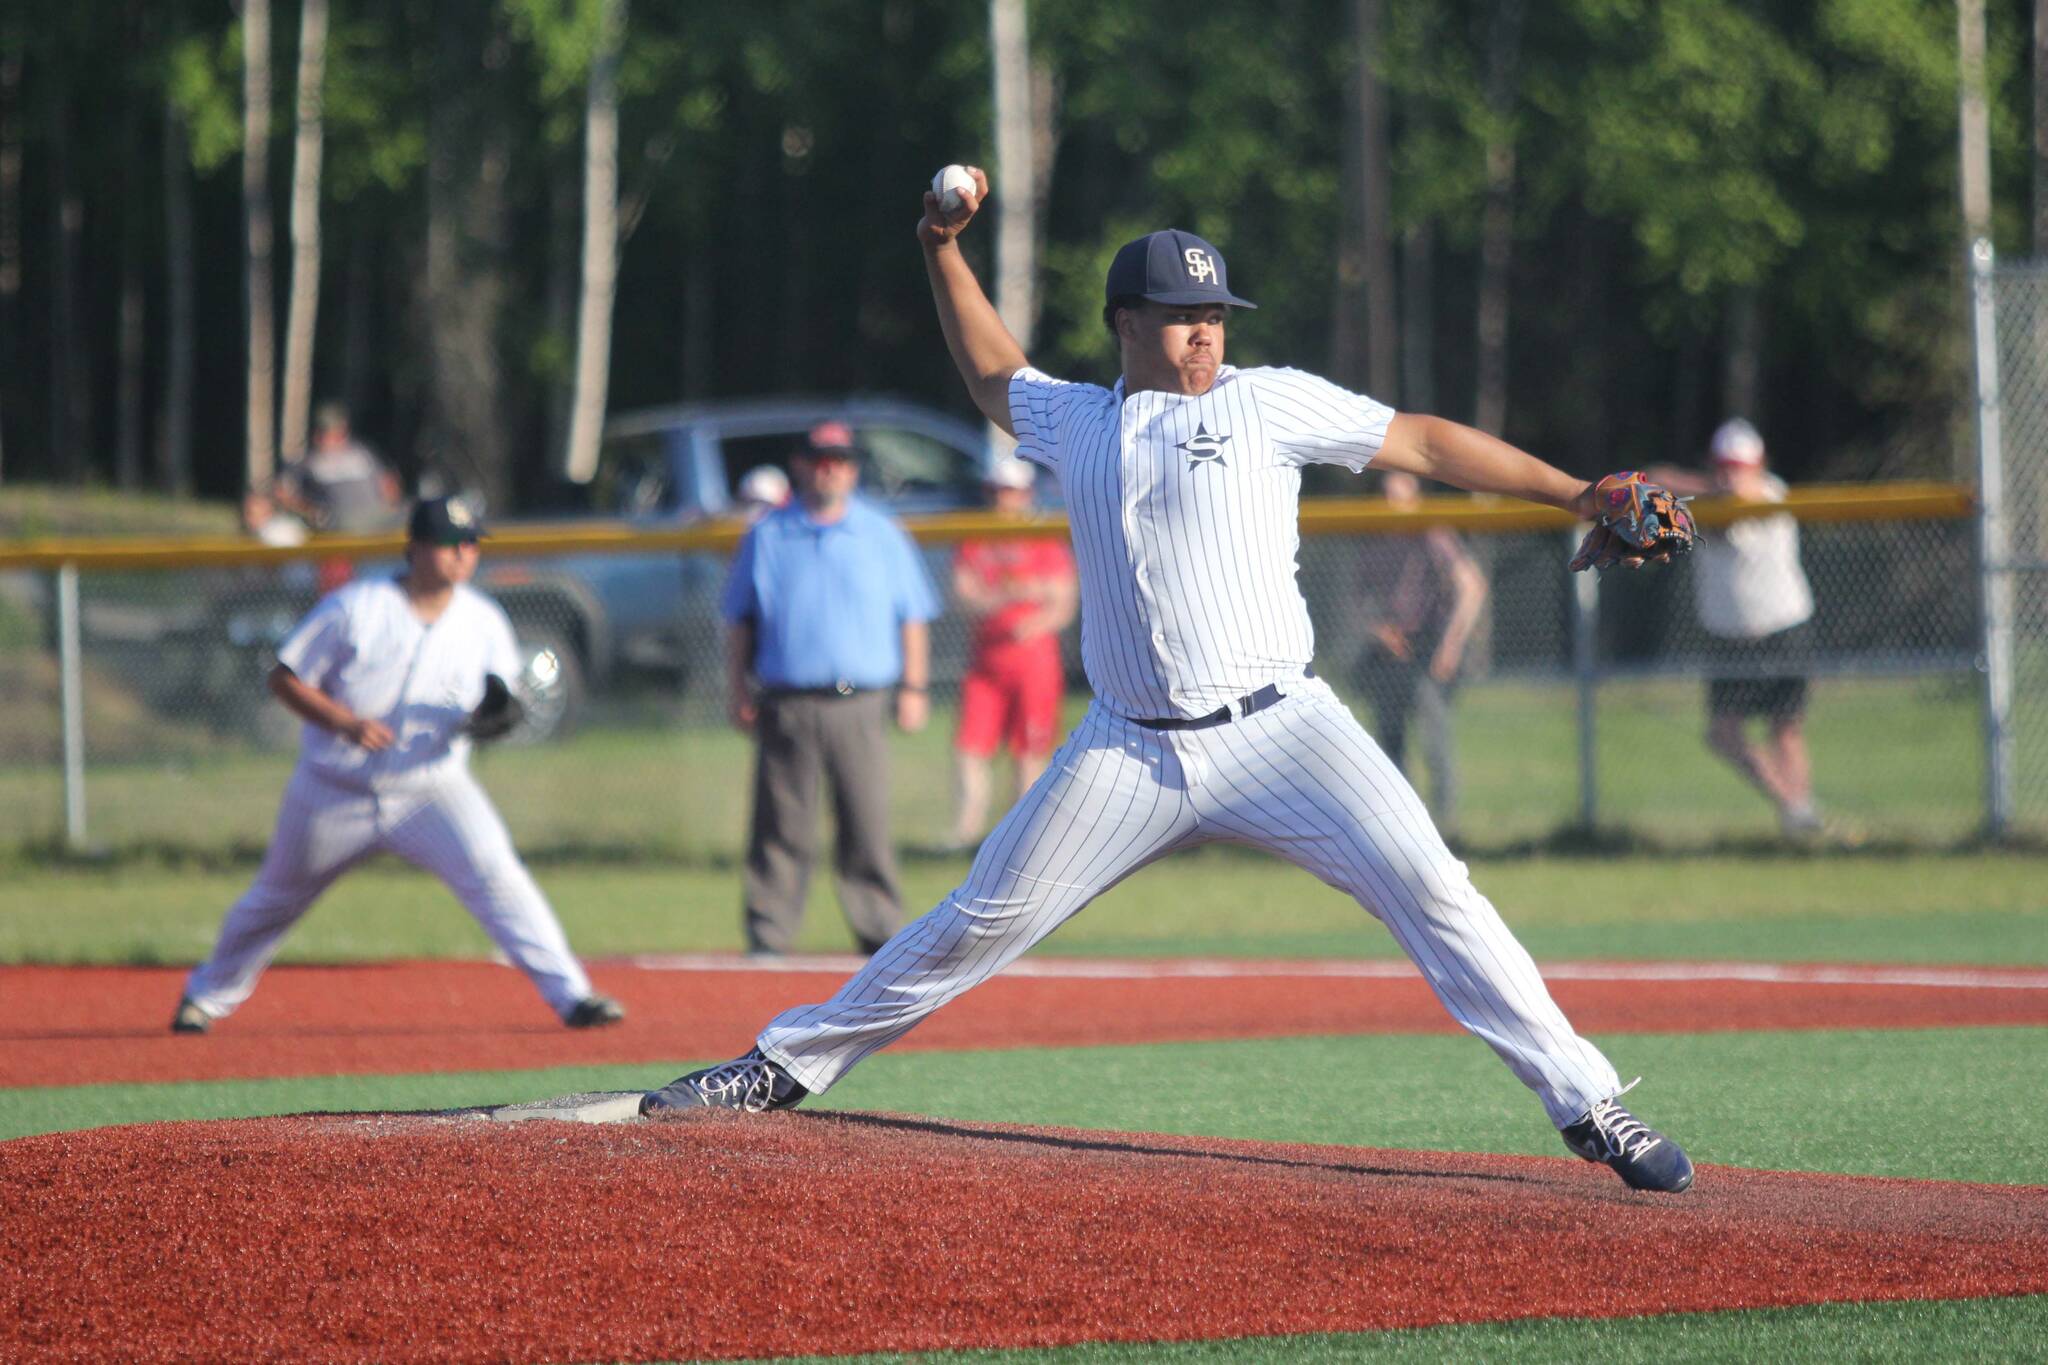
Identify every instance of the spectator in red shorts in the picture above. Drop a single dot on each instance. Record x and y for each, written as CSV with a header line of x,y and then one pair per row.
x,y
1021,592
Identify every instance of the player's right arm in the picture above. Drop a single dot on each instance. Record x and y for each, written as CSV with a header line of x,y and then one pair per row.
x,y
309,703
983,349
740,606
316,646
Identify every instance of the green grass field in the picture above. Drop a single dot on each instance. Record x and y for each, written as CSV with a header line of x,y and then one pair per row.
x,y
1897,761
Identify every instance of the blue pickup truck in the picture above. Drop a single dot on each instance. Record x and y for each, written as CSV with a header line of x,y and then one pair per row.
x,y
588,621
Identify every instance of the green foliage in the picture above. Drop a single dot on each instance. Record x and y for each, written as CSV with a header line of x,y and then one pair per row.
x,y
203,82
1667,158
376,137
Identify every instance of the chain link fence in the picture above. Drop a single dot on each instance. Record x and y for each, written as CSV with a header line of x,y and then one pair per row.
x,y
2019,574
1577,703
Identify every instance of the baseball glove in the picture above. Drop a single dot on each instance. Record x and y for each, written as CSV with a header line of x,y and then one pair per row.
x,y
1639,522
497,715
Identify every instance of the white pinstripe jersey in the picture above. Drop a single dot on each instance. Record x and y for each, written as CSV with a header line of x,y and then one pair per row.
x,y
1185,514
363,646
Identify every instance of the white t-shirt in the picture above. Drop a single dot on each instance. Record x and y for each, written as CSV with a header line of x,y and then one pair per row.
x,y
1746,579
1185,515
364,646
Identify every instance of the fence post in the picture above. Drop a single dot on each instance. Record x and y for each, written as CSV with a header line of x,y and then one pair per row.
x,y
71,700
1585,670
1993,547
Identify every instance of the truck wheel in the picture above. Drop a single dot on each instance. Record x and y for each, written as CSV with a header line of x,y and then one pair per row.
x,y
551,684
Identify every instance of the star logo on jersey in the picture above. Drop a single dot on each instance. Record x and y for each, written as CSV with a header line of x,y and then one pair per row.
x,y
1202,448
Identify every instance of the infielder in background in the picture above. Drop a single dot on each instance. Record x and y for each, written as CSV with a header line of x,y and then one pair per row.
x,y
1182,487
1020,592
392,676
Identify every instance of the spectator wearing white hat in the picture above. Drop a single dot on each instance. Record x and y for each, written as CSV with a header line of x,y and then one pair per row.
x,y
1020,592
760,491
1753,597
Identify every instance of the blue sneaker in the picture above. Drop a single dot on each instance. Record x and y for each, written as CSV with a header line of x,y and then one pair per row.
x,y
1643,1157
751,1084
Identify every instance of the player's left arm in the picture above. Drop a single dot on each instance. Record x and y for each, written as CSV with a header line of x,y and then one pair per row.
x,y
1466,457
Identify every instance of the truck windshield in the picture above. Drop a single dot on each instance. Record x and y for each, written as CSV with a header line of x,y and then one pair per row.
x,y
633,478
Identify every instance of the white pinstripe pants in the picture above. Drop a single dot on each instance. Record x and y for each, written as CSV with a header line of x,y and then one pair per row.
x,y
448,828
1301,779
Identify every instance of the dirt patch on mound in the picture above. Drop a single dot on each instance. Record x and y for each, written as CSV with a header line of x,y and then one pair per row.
x,y
405,1238
75,1025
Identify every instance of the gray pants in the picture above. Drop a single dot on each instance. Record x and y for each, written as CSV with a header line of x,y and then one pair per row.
x,y
844,741
1401,690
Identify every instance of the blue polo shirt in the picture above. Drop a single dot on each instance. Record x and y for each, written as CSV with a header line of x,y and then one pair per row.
x,y
828,601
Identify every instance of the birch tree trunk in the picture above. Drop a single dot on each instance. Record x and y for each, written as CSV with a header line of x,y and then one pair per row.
x,y
1742,355
1497,228
261,458
1974,152
600,245
560,297
305,301
1016,190
174,467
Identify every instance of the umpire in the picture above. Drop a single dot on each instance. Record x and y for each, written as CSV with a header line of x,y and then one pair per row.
x,y
826,608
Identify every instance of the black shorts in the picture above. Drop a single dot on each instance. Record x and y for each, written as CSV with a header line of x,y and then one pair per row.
x,y
1772,680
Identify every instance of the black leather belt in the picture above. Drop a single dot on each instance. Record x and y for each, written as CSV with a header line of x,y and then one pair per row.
x,y
838,689
1249,704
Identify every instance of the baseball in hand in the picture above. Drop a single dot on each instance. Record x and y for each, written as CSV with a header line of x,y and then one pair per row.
x,y
948,185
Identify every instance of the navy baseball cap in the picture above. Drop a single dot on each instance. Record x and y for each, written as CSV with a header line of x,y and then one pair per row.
x,y
445,521
1171,267
831,441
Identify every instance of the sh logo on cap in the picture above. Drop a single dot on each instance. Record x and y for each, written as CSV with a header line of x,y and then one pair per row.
x,y
1173,267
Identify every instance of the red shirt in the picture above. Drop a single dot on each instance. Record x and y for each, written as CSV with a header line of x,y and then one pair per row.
x,y
1012,563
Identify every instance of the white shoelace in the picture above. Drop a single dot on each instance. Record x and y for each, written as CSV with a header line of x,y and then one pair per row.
x,y
1625,1134
747,1077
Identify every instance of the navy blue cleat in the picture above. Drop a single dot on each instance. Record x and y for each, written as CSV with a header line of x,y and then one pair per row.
x,y
1643,1157
594,1011
751,1084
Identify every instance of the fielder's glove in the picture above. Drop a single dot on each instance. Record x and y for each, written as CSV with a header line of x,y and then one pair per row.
x,y
1639,522
497,715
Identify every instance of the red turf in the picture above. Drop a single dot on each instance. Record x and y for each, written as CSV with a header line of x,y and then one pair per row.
x,y
395,1238
71,1025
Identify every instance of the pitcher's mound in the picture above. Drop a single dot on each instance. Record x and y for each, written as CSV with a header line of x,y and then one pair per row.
x,y
401,1237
